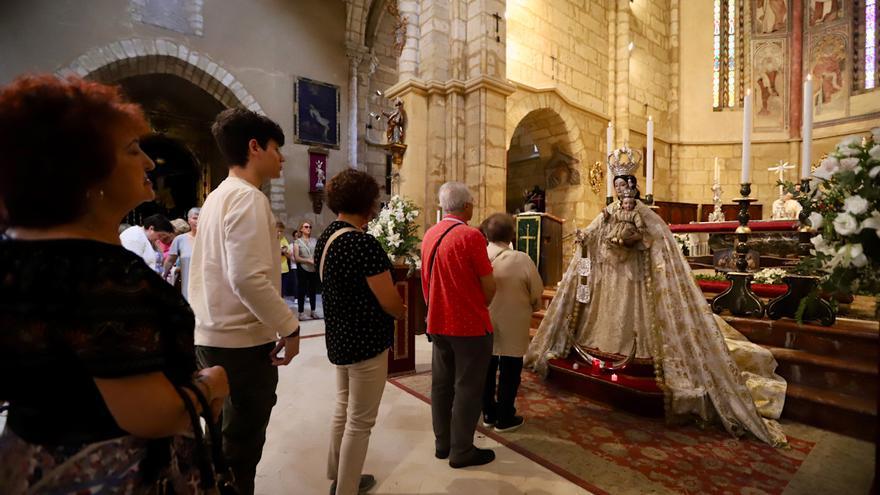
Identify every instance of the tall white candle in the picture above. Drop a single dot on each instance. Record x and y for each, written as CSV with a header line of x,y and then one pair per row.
x,y
747,138
609,147
649,188
807,129
716,176
438,216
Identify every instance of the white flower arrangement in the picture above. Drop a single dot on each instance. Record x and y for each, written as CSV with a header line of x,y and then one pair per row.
x,y
842,206
395,229
770,276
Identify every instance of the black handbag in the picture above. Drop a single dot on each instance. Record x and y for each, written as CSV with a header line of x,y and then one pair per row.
x,y
214,471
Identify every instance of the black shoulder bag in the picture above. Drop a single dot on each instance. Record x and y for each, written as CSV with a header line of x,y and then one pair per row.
x,y
431,258
214,471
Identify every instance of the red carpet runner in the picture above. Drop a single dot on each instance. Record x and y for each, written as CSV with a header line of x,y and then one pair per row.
x,y
579,440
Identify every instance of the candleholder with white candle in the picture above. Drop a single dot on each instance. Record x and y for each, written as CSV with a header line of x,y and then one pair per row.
x,y
739,298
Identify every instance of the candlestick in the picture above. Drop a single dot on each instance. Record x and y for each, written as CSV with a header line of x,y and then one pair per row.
x,y
739,298
609,179
807,128
649,188
716,176
747,138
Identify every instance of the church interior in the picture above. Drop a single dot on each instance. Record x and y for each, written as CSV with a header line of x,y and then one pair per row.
x,y
725,111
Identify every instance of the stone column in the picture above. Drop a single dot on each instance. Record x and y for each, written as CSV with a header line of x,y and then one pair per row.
x,y
355,55
621,83
408,63
797,70
485,102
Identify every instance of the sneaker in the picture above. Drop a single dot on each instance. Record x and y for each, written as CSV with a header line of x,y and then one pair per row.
x,y
301,316
313,315
488,421
477,458
368,481
441,454
507,426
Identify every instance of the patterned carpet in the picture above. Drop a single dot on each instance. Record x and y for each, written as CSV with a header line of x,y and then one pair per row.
x,y
623,453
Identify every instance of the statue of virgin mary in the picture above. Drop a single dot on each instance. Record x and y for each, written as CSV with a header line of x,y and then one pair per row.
x,y
645,305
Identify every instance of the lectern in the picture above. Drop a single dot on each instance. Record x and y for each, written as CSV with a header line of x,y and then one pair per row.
x,y
540,236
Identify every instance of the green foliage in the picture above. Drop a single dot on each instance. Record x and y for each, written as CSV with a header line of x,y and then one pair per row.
x,y
843,203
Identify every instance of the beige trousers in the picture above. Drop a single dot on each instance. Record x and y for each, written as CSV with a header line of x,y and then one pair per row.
x,y
359,388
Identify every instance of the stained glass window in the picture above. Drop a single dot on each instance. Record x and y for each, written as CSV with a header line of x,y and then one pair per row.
x,y
726,47
870,43
866,73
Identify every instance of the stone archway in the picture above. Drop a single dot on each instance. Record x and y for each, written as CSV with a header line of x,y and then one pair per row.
x,y
124,59
539,144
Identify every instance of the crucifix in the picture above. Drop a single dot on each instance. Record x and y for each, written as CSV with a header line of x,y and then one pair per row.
x,y
781,168
497,17
528,237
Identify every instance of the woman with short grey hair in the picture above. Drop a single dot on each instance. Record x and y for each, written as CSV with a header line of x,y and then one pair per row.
x,y
455,196
181,249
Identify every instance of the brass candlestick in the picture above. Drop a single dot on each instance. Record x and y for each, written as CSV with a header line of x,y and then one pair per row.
x,y
739,298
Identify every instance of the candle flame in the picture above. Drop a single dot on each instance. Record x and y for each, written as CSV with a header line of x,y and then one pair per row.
x,y
809,77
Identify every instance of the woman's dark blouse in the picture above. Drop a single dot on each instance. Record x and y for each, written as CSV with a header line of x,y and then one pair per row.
x,y
357,328
74,310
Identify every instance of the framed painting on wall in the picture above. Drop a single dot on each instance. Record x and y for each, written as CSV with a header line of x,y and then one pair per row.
x,y
316,113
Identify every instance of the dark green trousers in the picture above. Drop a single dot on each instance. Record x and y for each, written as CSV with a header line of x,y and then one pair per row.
x,y
252,382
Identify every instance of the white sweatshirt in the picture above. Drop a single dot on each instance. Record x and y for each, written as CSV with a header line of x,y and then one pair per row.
x,y
235,277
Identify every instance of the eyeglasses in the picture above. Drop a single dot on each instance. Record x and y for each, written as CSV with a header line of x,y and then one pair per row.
x,y
307,226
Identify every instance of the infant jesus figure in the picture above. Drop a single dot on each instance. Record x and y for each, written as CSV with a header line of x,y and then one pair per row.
x,y
626,223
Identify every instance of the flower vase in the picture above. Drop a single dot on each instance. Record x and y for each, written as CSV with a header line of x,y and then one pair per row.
x,y
800,287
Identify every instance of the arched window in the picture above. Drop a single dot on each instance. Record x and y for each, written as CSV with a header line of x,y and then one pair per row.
x,y
728,54
866,72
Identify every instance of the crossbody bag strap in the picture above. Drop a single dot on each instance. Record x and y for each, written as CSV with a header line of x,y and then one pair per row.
x,y
327,248
433,257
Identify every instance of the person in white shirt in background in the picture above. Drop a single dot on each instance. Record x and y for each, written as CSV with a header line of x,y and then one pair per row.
x,y
235,286
142,240
181,249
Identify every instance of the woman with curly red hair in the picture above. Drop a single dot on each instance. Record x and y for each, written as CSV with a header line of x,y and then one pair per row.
x,y
94,345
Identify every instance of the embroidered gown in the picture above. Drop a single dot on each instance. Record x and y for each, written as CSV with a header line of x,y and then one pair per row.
x,y
709,371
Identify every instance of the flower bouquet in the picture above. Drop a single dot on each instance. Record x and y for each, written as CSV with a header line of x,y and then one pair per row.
x,y
395,229
842,207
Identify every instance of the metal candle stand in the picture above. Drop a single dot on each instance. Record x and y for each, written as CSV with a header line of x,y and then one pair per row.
x,y
739,298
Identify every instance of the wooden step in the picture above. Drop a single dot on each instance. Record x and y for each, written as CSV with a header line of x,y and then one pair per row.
x,y
843,413
830,363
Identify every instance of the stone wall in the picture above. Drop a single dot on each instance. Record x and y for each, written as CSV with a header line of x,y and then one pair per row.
x,y
307,39
561,44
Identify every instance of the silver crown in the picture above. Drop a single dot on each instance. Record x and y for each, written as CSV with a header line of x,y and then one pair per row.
x,y
624,161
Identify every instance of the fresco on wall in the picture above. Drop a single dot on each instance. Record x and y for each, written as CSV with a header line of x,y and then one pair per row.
x,y
771,16
825,11
828,65
769,84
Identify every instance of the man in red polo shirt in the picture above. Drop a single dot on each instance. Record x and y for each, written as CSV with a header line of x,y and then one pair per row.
x,y
458,286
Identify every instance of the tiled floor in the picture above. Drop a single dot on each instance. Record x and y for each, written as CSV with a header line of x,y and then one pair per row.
x,y
401,454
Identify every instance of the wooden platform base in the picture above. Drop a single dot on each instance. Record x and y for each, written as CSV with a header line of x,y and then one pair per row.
x,y
634,392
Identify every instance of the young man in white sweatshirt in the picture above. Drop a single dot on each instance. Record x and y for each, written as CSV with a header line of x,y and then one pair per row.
x,y
242,323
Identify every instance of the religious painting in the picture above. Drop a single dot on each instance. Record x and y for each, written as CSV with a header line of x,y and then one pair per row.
x,y
771,16
825,11
828,65
316,113
769,76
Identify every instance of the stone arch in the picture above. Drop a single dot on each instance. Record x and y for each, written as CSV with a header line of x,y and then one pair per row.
x,y
139,56
518,109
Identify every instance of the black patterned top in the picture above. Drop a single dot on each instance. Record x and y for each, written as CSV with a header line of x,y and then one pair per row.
x,y
74,310
357,328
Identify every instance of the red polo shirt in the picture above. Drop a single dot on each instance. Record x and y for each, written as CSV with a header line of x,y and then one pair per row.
x,y
456,305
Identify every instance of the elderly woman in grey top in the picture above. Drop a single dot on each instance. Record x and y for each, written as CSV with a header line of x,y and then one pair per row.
x,y
518,294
